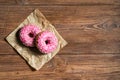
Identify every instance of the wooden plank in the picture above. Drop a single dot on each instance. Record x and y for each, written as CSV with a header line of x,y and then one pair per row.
x,y
74,14
90,63
57,76
72,2
59,2
100,64
7,2
87,66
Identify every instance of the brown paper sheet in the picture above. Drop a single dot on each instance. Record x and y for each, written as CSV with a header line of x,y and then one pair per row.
x,y
32,55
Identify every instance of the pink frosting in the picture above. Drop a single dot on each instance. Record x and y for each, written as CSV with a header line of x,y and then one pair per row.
x,y
28,33
47,42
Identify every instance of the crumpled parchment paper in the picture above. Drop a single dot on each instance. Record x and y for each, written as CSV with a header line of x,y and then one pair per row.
x,y
34,58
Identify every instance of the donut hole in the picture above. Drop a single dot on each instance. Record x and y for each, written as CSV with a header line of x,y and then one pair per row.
x,y
31,35
47,42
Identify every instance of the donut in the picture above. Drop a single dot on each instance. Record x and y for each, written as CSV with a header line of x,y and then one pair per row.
x,y
46,42
27,35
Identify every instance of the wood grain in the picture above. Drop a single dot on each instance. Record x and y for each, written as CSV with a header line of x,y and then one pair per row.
x,y
91,27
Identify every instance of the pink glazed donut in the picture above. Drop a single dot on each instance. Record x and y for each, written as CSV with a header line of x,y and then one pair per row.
x,y
46,42
27,35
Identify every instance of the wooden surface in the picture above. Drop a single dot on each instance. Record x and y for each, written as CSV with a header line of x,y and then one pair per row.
x,y
91,27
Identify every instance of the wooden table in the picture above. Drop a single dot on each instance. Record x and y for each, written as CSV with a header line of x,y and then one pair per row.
x,y
91,27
